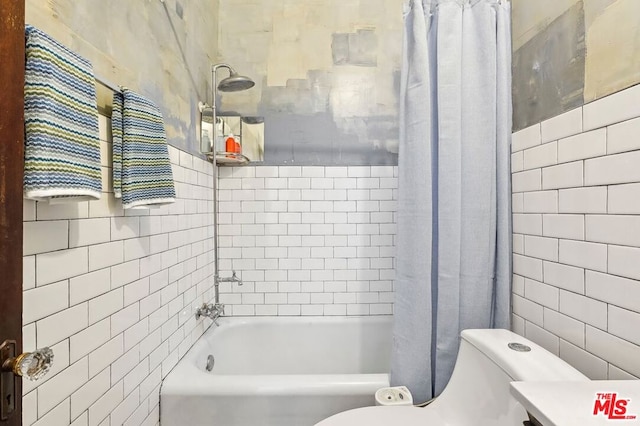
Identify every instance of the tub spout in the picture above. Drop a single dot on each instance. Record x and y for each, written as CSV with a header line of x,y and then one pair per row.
x,y
210,311
232,279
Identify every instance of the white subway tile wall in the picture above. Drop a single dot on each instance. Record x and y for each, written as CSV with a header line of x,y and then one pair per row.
x,y
113,293
576,186
308,240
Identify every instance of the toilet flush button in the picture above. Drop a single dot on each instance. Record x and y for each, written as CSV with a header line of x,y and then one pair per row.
x,y
519,347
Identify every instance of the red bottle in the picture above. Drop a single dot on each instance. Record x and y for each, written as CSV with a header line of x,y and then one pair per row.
x,y
230,144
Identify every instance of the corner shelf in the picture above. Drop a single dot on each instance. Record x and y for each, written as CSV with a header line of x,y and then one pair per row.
x,y
230,159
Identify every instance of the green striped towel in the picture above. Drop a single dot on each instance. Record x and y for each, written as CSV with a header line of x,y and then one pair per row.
x,y
142,170
62,145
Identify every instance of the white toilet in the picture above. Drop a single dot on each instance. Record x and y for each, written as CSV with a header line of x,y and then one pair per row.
x,y
478,392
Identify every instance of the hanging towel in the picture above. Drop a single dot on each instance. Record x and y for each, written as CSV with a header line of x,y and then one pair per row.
x,y
141,166
116,140
62,144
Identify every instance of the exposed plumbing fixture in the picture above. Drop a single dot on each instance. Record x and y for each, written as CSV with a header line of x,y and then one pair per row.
x,y
210,310
232,279
233,83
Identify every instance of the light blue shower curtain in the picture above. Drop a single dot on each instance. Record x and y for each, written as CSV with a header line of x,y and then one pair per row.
x,y
453,262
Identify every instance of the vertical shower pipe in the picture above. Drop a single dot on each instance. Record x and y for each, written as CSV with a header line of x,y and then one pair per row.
x,y
216,273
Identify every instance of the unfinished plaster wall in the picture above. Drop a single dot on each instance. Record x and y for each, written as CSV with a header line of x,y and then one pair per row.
x,y
613,40
571,52
162,50
327,77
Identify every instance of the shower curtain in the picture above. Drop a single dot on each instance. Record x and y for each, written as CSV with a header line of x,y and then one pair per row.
x,y
453,262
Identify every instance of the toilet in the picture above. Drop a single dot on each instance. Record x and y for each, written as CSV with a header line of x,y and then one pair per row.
x,y
478,391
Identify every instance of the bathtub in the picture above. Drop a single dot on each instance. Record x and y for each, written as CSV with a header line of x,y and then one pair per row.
x,y
278,371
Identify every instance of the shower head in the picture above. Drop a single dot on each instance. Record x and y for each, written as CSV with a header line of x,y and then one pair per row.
x,y
235,82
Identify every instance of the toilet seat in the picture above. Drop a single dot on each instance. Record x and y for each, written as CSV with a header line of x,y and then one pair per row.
x,y
379,416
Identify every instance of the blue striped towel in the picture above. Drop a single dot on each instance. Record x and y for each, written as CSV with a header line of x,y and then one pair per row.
x,y
142,170
62,145
116,140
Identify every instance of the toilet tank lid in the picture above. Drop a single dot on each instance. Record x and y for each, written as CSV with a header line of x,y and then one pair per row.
x,y
538,364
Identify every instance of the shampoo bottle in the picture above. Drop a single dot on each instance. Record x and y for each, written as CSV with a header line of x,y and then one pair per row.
x,y
230,145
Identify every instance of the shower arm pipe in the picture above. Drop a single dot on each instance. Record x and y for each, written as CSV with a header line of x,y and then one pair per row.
x,y
214,90
214,93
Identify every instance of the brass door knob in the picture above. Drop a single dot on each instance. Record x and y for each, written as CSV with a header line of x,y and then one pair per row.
x,y
30,365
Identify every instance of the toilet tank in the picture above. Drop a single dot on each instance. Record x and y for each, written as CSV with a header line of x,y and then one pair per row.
x,y
538,364
478,391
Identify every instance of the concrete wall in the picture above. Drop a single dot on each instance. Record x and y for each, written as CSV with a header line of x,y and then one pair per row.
x,y
164,54
327,74
571,52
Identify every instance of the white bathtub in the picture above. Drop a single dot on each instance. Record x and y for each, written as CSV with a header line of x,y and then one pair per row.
x,y
276,371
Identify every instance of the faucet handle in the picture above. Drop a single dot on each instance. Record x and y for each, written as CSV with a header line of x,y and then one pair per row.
x,y
235,278
202,311
217,309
